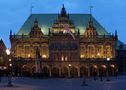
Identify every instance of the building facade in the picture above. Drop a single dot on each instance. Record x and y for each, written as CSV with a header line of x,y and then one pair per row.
x,y
64,45
3,58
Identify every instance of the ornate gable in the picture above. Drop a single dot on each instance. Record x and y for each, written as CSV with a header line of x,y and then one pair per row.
x,y
62,21
90,30
36,31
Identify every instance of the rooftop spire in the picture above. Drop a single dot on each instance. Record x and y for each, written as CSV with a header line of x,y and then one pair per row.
x,y
63,11
10,33
36,22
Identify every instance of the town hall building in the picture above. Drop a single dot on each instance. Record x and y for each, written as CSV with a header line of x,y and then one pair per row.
x,y
66,45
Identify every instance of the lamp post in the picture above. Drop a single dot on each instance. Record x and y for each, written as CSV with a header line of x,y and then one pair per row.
x,y
8,52
69,72
107,73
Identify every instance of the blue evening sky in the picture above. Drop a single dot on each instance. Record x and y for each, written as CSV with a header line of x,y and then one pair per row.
x,y
110,13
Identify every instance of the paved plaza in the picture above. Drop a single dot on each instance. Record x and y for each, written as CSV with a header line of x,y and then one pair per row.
x,y
21,83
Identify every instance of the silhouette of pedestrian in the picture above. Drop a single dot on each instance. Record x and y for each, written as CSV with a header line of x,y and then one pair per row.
x,y
95,74
100,76
0,77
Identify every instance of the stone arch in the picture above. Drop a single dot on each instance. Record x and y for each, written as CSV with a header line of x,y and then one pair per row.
x,y
17,70
55,72
73,71
113,70
94,70
33,69
83,71
64,71
25,70
45,71
103,70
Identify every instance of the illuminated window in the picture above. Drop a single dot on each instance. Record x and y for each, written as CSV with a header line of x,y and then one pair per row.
x,y
44,56
69,65
10,60
66,58
62,58
112,66
108,51
10,65
29,55
82,56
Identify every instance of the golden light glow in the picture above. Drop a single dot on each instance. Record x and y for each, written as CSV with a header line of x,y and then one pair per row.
x,y
29,55
62,58
95,66
108,59
44,56
113,66
8,51
69,65
5,67
98,54
82,56
10,65
103,66
66,58
9,60
92,56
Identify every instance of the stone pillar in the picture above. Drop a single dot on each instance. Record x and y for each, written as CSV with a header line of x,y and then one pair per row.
x,y
50,73
78,72
98,71
37,64
31,71
69,73
89,72
21,72
59,72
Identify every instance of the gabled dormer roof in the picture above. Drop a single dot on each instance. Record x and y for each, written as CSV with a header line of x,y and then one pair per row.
x,y
35,30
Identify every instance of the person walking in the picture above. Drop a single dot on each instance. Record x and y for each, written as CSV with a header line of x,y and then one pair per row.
x,y
100,76
0,76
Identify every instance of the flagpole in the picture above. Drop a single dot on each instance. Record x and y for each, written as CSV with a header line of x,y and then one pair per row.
x,y
91,9
31,9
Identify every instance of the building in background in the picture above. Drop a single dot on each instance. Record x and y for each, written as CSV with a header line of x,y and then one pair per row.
x,y
3,58
66,45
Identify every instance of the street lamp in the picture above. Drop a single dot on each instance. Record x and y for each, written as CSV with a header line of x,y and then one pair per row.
x,y
107,74
69,71
8,52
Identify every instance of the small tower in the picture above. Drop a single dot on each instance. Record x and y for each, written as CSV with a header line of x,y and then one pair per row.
x,y
10,33
63,21
35,31
78,32
49,32
116,35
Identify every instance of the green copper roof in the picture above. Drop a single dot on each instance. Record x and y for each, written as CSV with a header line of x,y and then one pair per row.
x,y
118,44
46,21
